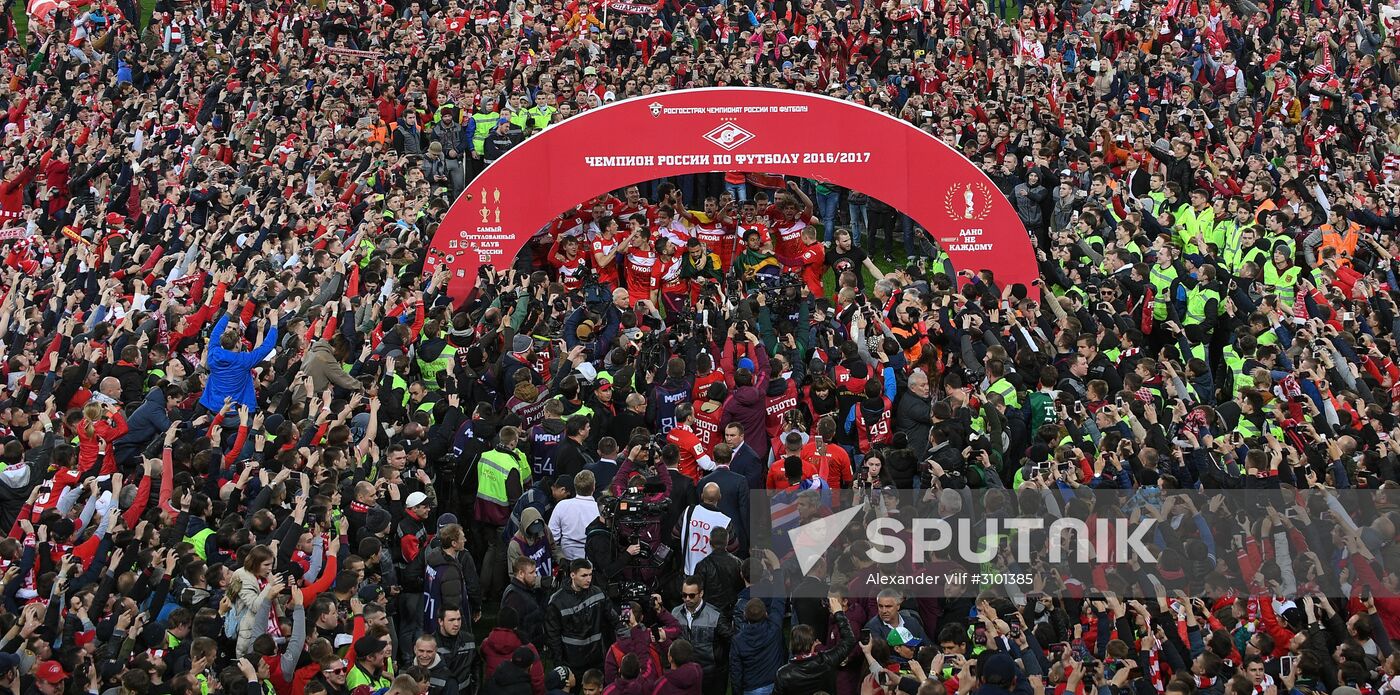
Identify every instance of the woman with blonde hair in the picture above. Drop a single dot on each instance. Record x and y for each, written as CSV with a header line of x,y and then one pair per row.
x,y
97,430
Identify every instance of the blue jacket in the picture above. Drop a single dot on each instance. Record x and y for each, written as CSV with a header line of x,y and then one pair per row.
x,y
230,373
148,422
757,650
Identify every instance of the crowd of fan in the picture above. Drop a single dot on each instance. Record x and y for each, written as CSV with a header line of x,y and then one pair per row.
x,y
249,447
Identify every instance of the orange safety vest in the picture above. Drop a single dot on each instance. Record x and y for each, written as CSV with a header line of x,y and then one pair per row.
x,y
1344,242
1264,207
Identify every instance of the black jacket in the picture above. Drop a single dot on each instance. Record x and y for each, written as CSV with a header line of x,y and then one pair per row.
x,y
912,417
570,458
816,673
457,581
529,605
510,679
720,574
577,625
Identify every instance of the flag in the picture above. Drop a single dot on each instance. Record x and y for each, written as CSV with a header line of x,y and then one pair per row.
x,y
768,180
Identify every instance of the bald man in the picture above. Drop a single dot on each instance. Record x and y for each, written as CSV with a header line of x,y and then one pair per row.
x,y
111,387
697,524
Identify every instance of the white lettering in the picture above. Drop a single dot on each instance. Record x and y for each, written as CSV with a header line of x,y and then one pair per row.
x,y
1063,527
887,546
923,545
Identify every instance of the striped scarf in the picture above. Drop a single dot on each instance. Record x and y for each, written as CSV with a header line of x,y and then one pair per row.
x,y
1154,666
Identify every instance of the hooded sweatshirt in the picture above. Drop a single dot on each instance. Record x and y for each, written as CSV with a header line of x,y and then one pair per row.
x,y
542,549
682,680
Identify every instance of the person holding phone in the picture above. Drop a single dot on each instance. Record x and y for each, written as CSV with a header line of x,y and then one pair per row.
x,y
100,427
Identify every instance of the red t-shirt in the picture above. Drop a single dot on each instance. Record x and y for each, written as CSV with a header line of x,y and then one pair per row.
x,y
607,274
777,474
640,279
691,449
787,237
813,268
570,269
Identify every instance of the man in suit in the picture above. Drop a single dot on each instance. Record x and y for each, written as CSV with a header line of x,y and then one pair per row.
x,y
734,495
632,416
743,459
683,495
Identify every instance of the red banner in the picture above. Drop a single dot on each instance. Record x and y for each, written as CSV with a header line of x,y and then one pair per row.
x,y
767,181
694,131
631,7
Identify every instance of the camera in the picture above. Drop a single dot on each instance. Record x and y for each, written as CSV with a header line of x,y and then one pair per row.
x,y
632,508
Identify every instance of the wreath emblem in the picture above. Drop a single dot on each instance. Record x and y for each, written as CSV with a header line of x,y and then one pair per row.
x,y
969,201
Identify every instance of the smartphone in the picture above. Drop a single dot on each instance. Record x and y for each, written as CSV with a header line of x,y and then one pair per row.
x,y
864,635
1285,664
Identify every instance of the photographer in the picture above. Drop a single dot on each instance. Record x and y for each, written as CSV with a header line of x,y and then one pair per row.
x,y
646,631
606,551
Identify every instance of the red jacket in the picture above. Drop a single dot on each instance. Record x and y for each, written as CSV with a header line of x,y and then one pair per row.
x,y
12,191
101,438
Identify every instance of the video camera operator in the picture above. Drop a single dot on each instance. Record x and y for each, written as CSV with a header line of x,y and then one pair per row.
x,y
625,542
645,631
602,547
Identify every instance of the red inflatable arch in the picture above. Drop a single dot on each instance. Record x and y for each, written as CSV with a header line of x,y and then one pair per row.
x,y
703,130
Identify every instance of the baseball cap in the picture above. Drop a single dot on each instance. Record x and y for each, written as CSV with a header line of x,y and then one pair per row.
x,y
590,70
446,519
51,672
415,499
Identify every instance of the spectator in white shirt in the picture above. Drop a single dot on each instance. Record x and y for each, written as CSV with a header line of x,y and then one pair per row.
x,y
571,517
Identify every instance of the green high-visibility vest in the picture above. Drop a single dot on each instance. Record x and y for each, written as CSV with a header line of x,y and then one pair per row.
x,y
1003,388
397,383
1193,222
1197,300
1231,234
482,124
540,116
1246,429
1235,363
1161,280
198,540
431,368
494,470
1283,284
1158,197
358,678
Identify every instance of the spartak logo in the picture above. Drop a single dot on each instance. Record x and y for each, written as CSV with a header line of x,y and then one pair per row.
x,y
729,136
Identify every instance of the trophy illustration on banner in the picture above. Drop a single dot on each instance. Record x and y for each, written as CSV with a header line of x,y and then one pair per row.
x,y
485,211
